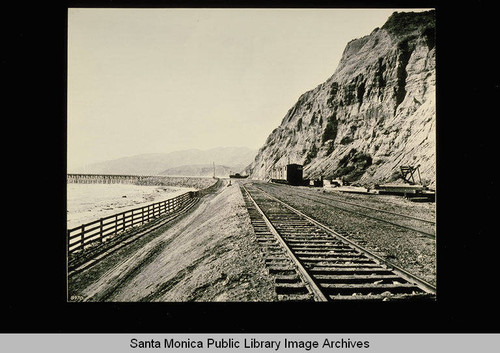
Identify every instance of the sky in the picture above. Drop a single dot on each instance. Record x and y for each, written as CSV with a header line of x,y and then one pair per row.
x,y
163,80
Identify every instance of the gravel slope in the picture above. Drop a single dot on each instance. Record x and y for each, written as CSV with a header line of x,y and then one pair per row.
x,y
209,255
407,249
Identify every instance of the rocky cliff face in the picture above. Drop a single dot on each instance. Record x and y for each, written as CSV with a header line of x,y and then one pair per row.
x,y
375,113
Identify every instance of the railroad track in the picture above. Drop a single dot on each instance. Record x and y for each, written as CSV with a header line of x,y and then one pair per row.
x,y
330,201
331,197
310,262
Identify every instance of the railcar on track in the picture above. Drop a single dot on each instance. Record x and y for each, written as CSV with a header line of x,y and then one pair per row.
x,y
289,174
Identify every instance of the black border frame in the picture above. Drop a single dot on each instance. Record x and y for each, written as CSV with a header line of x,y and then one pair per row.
x,y
35,273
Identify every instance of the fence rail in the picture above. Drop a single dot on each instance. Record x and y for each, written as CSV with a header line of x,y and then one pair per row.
x,y
106,227
209,189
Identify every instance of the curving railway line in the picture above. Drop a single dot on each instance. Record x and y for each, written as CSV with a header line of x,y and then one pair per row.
x,y
311,262
400,220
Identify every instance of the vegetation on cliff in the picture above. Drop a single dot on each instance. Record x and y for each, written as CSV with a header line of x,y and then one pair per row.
x,y
376,112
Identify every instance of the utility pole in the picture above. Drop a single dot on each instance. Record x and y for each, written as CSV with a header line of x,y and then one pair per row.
x,y
214,169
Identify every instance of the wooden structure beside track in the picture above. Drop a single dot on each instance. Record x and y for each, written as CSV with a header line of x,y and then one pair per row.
x,y
101,230
104,178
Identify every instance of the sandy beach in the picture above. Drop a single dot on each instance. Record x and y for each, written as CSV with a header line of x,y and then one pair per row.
x,y
89,202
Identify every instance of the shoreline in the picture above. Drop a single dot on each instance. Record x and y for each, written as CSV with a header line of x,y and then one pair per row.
x,y
89,202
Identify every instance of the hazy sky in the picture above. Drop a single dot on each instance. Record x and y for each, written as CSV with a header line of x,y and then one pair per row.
x,y
160,80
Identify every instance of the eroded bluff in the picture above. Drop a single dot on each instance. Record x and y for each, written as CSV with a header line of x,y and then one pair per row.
x,y
375,113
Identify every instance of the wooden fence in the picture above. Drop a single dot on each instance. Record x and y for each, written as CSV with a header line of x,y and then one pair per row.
x,y
101,230
209,189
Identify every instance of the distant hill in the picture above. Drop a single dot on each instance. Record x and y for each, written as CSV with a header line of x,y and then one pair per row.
x,y
194,160
204,170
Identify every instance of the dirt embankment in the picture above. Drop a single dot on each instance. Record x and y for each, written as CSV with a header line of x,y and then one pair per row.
x,y
179,181
209,255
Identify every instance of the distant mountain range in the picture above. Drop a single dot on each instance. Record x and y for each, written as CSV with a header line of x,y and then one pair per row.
x,y
203,170
192,162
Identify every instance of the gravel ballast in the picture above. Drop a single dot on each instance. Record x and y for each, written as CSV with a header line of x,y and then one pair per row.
x,y
210,255
410,250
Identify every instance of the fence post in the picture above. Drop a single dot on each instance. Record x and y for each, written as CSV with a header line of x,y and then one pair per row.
x,y
82,237
100,230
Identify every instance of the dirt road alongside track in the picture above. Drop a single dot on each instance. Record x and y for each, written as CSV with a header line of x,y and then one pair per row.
x,y
209,255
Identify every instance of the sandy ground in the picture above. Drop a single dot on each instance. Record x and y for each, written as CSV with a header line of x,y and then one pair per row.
x,y
209,255
89,202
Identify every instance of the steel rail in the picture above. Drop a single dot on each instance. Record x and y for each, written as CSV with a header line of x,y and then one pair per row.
x,y
368,207
316,291
429,235
422,284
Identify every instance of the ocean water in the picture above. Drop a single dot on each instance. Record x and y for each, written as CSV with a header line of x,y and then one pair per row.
x,y
89,202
